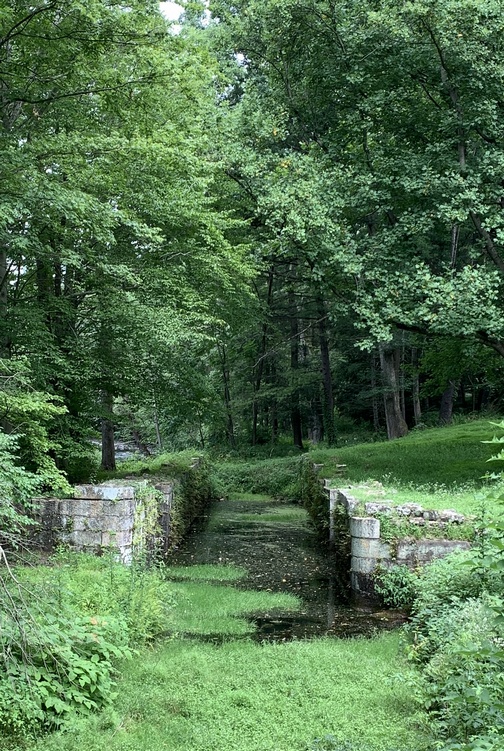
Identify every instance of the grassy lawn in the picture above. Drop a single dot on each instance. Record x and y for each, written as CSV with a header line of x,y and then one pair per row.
x,y
467,500
449,456
189,695
431,459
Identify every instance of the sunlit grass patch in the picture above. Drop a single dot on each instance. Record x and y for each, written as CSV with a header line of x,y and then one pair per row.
x,y
204,609
240,696
450,456
466,499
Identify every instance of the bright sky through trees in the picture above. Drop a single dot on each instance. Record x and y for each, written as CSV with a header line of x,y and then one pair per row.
x,y
171,11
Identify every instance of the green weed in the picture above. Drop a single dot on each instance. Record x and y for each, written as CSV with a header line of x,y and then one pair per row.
x,y
242,696
205,609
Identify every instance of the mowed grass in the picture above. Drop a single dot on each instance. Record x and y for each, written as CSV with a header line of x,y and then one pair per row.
x,y
467,500
448,456
241,696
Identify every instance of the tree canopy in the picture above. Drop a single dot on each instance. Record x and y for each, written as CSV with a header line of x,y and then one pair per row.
x,y
272,219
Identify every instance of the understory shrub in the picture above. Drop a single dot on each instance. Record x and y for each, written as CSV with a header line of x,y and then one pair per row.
x,y
194,493
313,496
397,586
64,628
463,669
275,477
456,636
55,664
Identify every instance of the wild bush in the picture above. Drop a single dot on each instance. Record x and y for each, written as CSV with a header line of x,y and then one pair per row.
x,y
67,625
397,586
276,477
55,663
457,636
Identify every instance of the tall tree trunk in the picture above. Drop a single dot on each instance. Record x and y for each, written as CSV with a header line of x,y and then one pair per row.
x,y
159,440
107,431
227,397
297,428
259,367
417,409
273,405
399,362
327,385
396,424
376,409
446,406
4,300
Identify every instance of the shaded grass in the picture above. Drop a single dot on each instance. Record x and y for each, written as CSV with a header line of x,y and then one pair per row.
x,y
241,696
168,464
257,497
435,457
279,514
449,456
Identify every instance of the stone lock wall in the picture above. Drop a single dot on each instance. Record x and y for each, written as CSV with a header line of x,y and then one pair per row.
x,y
369,551
101,517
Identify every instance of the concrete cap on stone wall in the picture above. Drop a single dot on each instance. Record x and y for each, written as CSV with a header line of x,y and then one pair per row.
x,y
104,492
364,526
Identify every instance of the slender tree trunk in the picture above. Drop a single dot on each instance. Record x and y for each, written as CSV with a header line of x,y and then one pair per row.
x,y
396,424
417,409
159,439
227,398
376,410
260,363
327,385
463,394
4,300
297,428
446,406
107,431
399,361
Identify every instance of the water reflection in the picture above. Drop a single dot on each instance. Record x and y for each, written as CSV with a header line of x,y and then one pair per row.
x,y
281,553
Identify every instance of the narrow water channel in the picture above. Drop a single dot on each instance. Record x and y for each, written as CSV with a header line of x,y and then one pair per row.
x,y
273,542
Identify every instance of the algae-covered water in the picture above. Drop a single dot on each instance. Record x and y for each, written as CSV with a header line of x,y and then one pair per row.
x,y
273,543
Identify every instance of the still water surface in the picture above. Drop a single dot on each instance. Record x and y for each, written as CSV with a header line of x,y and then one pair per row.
x,y
272,540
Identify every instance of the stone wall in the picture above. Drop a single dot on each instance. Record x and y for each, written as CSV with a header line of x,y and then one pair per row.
x,y
103,517
369,551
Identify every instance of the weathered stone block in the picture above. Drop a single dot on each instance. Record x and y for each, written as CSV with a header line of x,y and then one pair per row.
x,y
364,526
375,507
451,516
409,509
365,547
424,551
363,565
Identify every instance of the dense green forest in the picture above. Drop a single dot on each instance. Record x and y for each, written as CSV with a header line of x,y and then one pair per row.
x,y
267,223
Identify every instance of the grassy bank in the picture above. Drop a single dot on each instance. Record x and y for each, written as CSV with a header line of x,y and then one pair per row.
x,y
434,460
190,695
